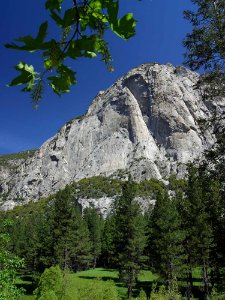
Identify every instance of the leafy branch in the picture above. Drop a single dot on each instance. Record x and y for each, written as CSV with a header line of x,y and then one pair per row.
x,y
82,28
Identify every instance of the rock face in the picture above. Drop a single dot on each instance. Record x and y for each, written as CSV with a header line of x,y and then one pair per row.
x,y
147,123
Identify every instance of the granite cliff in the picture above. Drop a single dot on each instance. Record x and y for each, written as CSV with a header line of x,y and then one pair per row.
x,y
147,123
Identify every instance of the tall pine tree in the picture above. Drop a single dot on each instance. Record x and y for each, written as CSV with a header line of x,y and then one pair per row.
x,y
95,223
130,236
166,239
108,237
71,244
199,235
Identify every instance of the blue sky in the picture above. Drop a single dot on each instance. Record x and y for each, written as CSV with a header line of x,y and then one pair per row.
x,y
160,31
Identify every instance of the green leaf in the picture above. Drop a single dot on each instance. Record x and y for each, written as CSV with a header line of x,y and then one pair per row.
x,y
126,28
95,5
42,32
61,84
27,76
82,47
57,19
53,54
53,5
74,50
90,54
31,44
95,9
70,17
112,10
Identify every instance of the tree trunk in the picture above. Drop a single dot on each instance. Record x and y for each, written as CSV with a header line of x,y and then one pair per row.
x,y
94,262
65,263
205,278
129,291
190,285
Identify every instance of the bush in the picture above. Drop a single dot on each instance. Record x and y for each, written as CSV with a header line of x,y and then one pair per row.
x,y
217,295
99,292
142,296
50,286
164,293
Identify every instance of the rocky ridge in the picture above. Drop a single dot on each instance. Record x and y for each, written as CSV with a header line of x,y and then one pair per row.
x,y
147,123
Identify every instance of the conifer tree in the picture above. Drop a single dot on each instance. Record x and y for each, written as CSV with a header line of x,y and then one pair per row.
x,y
108,237
31,238
166,239
205,44
199,235
130,239
80,245
215,203
27,240
71,245
61,225
94,223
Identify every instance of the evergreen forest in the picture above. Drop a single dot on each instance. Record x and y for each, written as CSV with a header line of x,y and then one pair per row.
x,y
179,237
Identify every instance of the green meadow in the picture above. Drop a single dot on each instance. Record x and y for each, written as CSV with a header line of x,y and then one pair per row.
x,y
100,278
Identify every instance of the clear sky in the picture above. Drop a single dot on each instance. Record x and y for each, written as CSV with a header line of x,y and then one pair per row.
x,y
160,31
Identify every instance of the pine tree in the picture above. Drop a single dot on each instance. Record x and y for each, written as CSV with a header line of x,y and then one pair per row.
x,y
71,245
94,223
56,234
215,203
130,236
61,225
199,235
80,243
166,239
31,238
108,237
205,44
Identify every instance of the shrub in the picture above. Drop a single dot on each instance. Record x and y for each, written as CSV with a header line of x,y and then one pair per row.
x,y
142,296
164,293
99,292
50,286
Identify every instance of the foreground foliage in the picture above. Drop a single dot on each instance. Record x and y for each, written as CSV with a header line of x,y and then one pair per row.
x,y
163,293
9,265
79,32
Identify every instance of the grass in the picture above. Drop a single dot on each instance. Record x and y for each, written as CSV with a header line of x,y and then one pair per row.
x,y
98,277
102,276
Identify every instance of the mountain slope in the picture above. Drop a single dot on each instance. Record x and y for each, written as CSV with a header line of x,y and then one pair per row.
x,y
147,123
